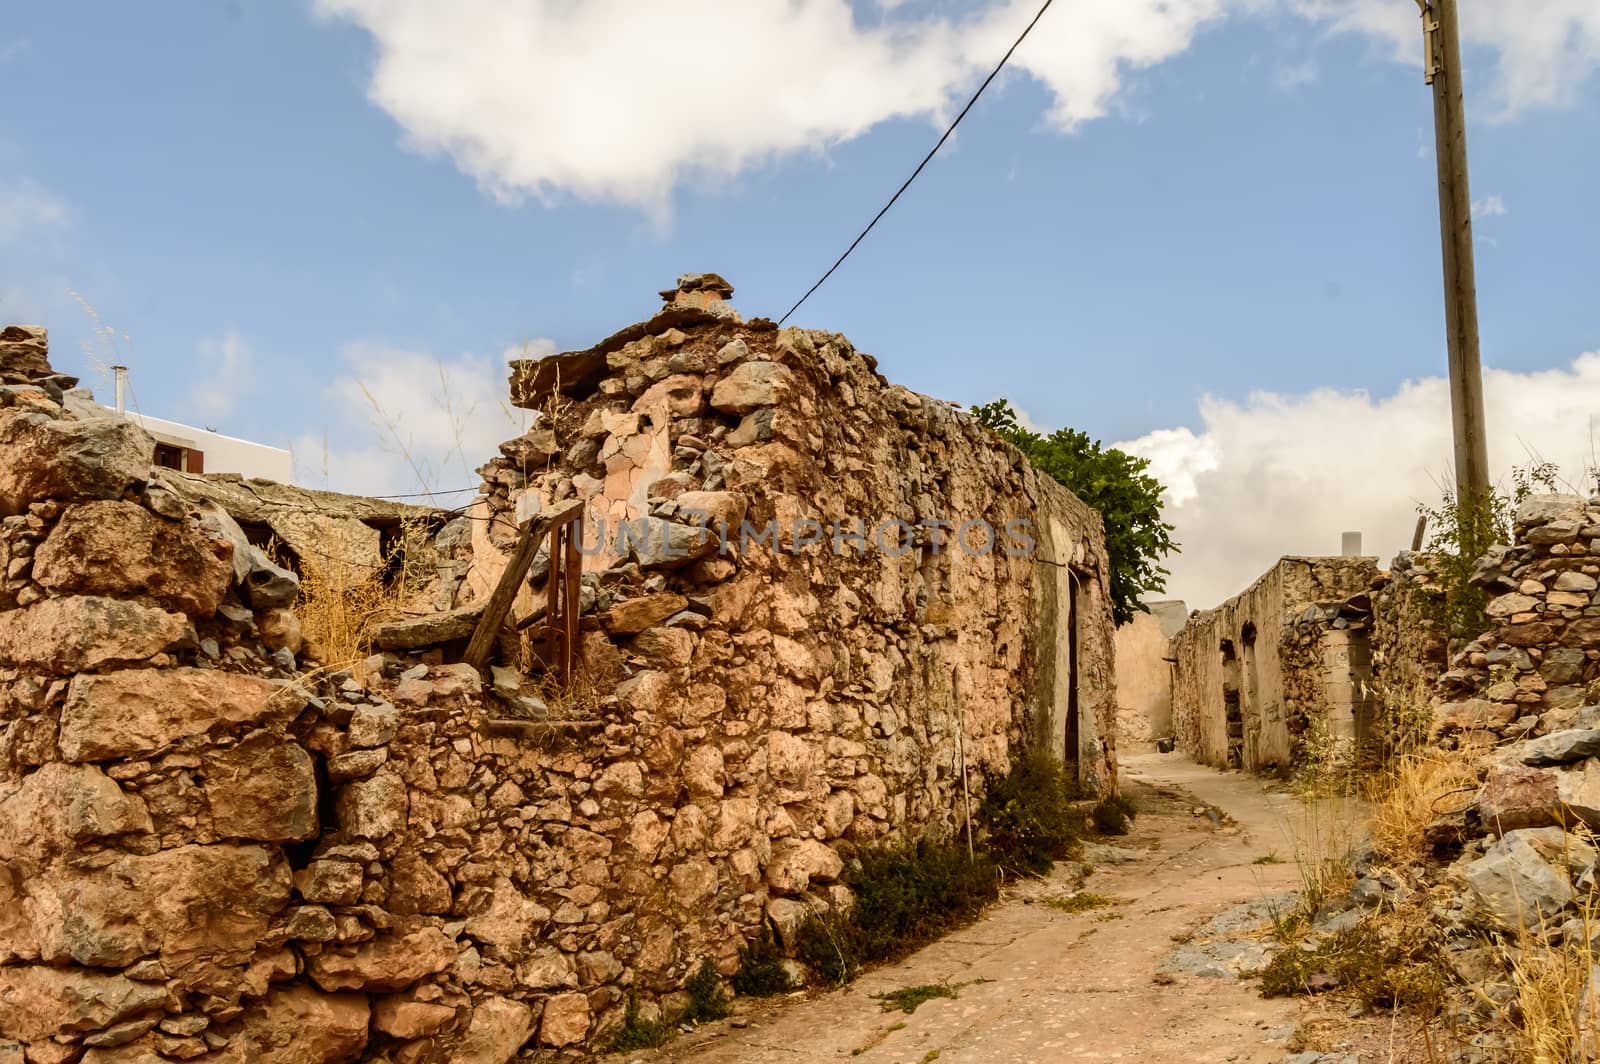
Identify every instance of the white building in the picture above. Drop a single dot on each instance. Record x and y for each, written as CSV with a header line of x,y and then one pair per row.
x,y
192,449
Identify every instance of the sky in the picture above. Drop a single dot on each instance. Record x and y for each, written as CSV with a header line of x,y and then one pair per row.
x,y
1203,230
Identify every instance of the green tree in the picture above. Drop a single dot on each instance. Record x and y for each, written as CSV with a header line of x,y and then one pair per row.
x,y
1114,483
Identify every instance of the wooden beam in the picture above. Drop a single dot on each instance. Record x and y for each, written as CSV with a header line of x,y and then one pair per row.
x,y
505,592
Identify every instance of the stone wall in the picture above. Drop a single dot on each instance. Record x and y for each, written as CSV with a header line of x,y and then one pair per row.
x,y
827,628
1144,672
1259,676
211,851
1539,665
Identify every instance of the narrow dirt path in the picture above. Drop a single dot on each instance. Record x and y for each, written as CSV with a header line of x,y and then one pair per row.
x,y
1046,986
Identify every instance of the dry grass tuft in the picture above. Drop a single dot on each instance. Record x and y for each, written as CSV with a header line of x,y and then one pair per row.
x,y
1550,982
338,609
1415,791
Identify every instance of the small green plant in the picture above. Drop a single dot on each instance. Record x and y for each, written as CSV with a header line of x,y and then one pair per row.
x,y
707,1002
1082,902
905,895
636,1032
761,972
1463,529
1028,816
930,1056
1382,971
908,998
1112,815
1270,857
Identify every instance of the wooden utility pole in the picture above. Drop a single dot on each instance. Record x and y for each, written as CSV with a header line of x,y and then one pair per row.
x,y
1441,40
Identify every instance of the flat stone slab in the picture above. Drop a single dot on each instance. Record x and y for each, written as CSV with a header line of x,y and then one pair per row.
x,y
428,630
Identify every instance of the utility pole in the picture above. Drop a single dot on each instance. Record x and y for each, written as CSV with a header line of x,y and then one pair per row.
x,y
1441,43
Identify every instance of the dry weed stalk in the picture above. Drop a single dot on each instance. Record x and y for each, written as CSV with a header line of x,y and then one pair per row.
x,y
1414,791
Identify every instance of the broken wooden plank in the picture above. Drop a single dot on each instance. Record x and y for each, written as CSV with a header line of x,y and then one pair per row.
x,y
505,592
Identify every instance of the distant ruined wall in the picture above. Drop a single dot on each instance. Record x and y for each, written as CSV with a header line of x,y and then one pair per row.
x,y
210,851
1539,664
1144,672
1271,664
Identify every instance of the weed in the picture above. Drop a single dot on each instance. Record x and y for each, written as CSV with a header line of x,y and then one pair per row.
x,y
1082,902
1270,857
1415,791
707,1002
905,895
877,1039
1028,816
636,1032
930,1056
1112,815
1382,970
761,972
908,998
1462,530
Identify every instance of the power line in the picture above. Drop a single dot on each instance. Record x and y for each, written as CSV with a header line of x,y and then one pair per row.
x,y
925,160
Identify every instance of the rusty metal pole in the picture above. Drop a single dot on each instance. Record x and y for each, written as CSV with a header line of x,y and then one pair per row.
x,y
1442,57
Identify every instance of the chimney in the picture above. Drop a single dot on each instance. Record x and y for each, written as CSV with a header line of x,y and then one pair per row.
x,y
122,388
1350,544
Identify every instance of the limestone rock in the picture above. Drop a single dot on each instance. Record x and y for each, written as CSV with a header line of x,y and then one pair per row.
x,y
67,635
264,788
634,615
280,630
1562,747
565,1021
401,1016
430,629
51,458
796,863
37,1003
120,549
140,711
60,807
265,583
508,919
659,544
752,384
1515,795
388,963
188,900
1526,877
297,1025
374,807
498,1028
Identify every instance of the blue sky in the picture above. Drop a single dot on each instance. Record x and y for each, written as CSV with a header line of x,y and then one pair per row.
x,y
279,204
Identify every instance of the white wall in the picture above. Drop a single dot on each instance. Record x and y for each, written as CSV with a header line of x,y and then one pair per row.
x,y
223,454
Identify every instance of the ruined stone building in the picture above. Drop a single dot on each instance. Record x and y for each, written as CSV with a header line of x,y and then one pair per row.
x,y
833,600
1144,672
1285,663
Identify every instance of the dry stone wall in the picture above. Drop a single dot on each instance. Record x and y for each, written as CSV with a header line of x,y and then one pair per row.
x,y
1539,666
210,851
1276,667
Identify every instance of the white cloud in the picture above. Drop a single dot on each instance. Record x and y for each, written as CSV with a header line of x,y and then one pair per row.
x,y
227,375
1543,49
29,210
618,101
413,422
1293,75
1286,474
1488,207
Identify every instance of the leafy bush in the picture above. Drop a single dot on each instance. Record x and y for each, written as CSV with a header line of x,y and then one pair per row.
x,y
905,895
1112,482
1112,815
1028,815
1461,530
639,1033
1382,971
707,1002
761,972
